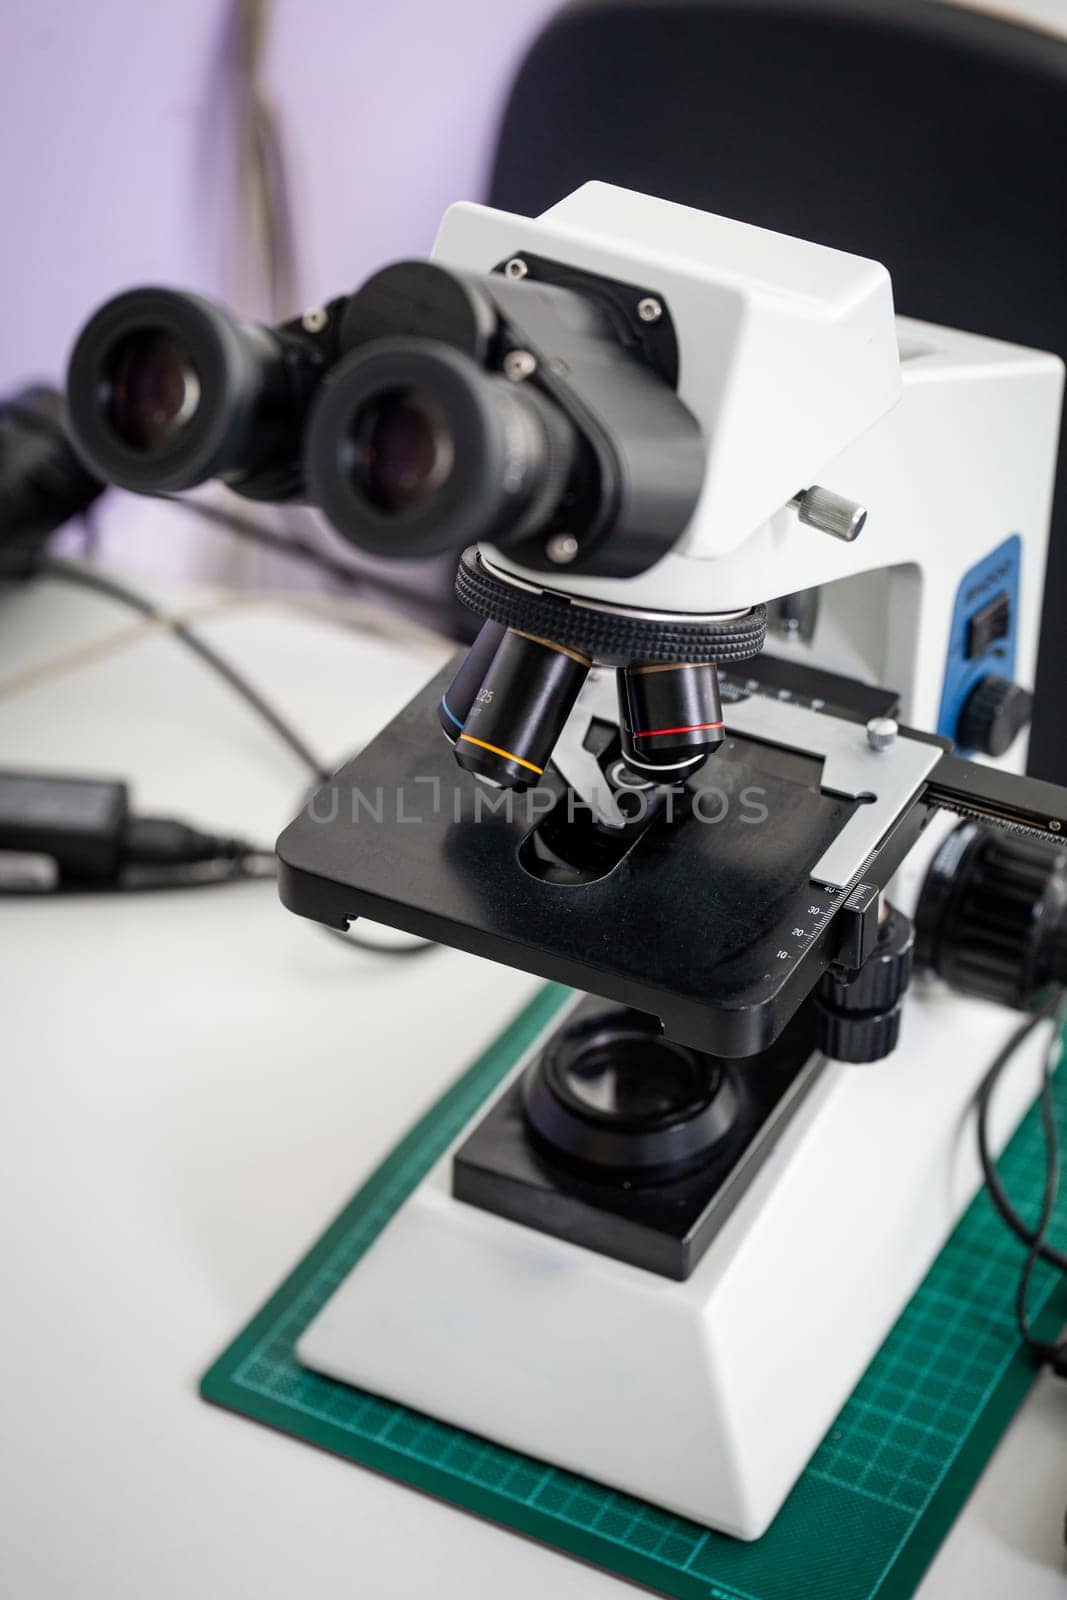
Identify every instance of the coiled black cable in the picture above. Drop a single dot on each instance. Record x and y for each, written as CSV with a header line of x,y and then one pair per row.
x,y
1052,1353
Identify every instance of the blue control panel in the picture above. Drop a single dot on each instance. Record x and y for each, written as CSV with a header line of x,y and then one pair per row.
x,y
984,628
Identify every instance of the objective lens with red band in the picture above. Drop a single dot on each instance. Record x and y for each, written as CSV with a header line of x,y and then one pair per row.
x,y
670,718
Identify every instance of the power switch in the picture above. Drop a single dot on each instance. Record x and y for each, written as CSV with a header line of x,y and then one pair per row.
x,y
993,622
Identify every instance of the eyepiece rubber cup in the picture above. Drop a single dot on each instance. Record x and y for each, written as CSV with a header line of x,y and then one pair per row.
x,y
236,368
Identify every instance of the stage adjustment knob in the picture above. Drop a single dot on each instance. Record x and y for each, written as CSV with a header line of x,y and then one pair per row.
x,y
993,715
992,917
857,1015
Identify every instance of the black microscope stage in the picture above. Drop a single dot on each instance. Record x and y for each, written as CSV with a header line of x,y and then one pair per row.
x,y
710,921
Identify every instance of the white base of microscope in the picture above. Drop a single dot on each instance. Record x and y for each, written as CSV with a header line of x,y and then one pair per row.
x,y
708,1397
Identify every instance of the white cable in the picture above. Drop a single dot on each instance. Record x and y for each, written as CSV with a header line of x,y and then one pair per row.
x,y
341,610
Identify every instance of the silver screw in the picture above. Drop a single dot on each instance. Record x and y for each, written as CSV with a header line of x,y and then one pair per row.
x,y
516,268
830,513
519,364
881,732
315,320
562,548
649,309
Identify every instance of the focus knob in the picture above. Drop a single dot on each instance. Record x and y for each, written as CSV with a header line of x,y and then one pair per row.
x,y
993,714
857,1014
992,917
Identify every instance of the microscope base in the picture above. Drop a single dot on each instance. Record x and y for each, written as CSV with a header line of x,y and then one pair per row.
x,y
705,1397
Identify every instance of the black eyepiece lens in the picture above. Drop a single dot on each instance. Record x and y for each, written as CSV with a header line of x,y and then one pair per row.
x,y
152,389
403,449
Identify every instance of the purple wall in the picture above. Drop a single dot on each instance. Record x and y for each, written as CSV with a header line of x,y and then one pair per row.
x,y
117,126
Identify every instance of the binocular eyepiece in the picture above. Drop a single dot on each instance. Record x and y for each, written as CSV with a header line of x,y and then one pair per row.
x,y
533,408
429,410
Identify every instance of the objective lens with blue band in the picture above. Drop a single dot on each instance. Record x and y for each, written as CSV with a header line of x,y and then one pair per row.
x,y
459,696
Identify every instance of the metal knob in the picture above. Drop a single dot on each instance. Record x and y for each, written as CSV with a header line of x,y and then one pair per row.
x,y
881,732
830,513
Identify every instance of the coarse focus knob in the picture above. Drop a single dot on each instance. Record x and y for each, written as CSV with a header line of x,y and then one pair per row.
x,y
994,714
857,1039
857,1016
992,916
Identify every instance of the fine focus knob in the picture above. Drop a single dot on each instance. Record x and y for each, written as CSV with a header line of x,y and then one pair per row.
x,y
992,917
993,714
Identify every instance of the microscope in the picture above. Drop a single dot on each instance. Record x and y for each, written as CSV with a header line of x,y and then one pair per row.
x,y
737,756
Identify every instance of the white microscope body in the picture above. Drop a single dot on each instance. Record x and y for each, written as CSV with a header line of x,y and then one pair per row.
x,y
708,1397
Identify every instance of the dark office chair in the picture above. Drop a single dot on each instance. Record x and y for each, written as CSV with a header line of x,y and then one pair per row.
x,y
928,136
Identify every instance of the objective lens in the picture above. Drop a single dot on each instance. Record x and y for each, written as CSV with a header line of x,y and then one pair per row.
x,y
519,710
458,698
403,449
153,389
670,718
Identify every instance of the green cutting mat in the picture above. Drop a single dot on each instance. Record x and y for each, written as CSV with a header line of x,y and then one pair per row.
x,y
876,1499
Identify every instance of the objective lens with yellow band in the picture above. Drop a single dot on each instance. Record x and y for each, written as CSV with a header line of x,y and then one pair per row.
x,y
519,709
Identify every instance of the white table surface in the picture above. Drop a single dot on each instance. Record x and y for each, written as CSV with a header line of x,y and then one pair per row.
x,y
191,1085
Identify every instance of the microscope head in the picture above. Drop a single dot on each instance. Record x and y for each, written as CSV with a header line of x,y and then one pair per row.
x,y
781,351
603,403
584,393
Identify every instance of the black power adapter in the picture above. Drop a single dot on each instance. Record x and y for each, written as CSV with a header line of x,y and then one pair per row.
x,y
60,832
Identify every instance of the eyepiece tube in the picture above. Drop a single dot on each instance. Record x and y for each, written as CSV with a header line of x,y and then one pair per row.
x,y
166,390
415,450
670,718
519,709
